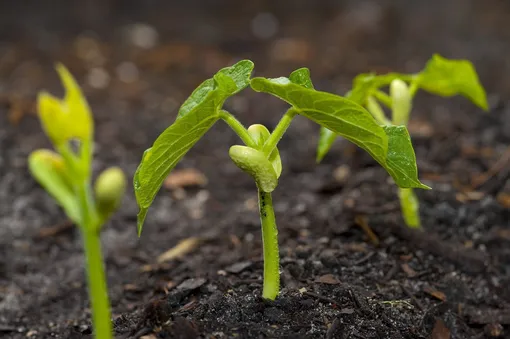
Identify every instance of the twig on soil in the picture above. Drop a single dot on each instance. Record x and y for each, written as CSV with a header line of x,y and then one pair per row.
x,y
471,261
393,270
364,259
413,298
361,221
481,179
486,316
332,329
56,229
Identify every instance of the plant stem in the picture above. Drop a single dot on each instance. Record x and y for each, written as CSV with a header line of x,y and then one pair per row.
x,y
382,97
279,130
410,207
377,112
101,316
98,293
270,247
238,128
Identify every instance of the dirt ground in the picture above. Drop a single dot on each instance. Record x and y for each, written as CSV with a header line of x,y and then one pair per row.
x,y
137,61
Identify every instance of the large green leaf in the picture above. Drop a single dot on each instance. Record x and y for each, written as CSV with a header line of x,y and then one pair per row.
x,y
362,87
49,169
229,80
401,161
196,116
348,119
452,77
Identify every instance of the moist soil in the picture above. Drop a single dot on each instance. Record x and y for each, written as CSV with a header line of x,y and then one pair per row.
x,y
349,268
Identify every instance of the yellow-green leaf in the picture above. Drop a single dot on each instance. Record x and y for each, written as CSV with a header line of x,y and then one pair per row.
x,y
447,78
49,169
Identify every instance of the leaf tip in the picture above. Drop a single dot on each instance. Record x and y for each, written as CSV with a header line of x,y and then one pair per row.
x,y
140,220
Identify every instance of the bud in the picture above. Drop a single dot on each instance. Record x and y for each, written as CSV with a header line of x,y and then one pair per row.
x,y
400,102
256,164
65,119
260,134
109,190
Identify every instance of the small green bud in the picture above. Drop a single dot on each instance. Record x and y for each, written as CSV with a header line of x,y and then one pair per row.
x,y
400,102
260,134
256,164
109,190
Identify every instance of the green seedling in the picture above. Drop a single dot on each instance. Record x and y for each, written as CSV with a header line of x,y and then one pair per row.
x,y
390,146
440,76
66,175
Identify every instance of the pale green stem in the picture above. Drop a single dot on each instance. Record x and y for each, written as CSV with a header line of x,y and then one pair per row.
x,y
98,292
270,246
238,128
278,132
413,88
384,98
377,112
410,207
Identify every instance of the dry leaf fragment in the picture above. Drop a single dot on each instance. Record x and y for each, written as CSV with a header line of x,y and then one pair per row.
x,y
182,248
328,279
435,293
187,177
440,331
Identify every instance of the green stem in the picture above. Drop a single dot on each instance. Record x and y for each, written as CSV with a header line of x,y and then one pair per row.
x,y
238,128
101,316
98,292
270,246
382,97
410,207
377,112
413,88
279,130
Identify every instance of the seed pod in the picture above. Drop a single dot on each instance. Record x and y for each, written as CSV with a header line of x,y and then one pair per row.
x,y
256,164
109,190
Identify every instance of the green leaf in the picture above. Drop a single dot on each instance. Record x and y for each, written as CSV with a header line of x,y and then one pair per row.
x,y
364,84
348,119
302,77
196,116
326,140
452,77
49,169
229,80
401,160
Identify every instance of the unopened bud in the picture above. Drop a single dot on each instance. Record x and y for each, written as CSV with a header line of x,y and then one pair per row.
x,y
109,190
400,102
256,164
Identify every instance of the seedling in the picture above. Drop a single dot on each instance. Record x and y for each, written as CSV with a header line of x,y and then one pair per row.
x,y
390,146
440,76
66,175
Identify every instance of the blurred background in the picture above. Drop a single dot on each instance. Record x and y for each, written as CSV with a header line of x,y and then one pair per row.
x,y
137,61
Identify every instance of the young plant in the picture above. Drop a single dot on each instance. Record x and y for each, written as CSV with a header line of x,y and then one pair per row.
x,y
390,146
66,175
440,76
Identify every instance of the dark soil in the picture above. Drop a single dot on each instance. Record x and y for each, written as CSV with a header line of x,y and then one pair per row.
x,y
338,279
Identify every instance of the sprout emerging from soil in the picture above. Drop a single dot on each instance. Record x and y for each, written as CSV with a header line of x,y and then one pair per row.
x,y
440,76
66,175
390,146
